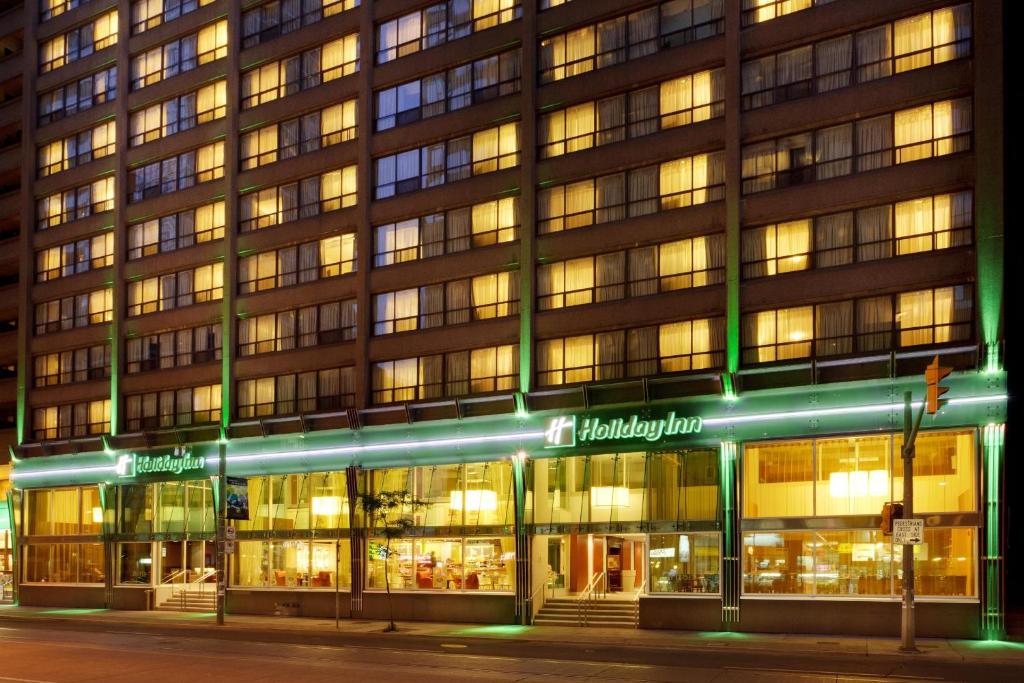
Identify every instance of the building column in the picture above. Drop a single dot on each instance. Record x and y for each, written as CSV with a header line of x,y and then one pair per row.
x,y
732,570
988,185
733,198
993,575
527,196
357,549
524,610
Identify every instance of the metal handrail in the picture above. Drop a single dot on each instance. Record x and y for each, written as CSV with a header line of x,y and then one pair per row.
x,y
585,598
539,589
170,579
636,603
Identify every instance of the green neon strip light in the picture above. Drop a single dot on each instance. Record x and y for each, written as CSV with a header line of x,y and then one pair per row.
x,y
849,410
993,617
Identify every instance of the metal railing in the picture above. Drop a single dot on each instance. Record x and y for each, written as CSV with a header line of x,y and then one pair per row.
x,y
597,586
181,590
534,608
636,603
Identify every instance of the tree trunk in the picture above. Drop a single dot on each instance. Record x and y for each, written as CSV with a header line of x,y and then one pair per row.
x,y
387,586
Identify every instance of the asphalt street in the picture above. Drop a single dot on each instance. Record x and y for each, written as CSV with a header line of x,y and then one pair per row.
x,y
47,654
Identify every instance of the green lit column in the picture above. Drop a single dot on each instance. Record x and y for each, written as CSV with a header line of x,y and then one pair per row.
x,y
527,203
988,185
730,537
524,610
733,180
993,616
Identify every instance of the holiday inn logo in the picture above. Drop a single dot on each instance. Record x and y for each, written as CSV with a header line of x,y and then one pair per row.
x,y
177,462
566,431
560,432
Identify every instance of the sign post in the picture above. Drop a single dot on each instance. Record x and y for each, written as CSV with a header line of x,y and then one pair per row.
x,y
910,427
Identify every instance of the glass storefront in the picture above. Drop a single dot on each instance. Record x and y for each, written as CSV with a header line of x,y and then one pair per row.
x,y
445,564
293,564
684,563
649,521
833,479
625,487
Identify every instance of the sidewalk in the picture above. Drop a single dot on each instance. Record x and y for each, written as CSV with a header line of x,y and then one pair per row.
x,y
356,632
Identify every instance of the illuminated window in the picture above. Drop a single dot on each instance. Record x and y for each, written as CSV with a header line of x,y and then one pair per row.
x,y
273,19
180,56
78,43
457,373
178,114
301,135
175,290
327,257
174,348
180,407
305,392
80,95
301,71
75,150
176,231
439,24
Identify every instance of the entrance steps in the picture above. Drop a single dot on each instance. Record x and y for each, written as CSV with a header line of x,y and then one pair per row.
x,y
603,613
190,601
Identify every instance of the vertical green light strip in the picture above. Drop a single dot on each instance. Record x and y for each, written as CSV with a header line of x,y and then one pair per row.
x,y
993,622
730,550
115,377
523,609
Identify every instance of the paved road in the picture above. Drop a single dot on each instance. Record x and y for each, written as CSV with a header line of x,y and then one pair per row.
x,y
44,654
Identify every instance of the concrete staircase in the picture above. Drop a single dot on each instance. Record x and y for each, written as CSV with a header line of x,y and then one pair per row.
x,y
602,613
193,601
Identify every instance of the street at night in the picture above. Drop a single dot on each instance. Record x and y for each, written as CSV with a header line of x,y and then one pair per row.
x,y
66,650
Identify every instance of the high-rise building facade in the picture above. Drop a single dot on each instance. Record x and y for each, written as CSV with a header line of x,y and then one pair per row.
x,y
625,294
11,56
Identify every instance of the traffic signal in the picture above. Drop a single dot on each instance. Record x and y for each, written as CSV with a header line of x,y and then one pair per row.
x,y
934,374
890,511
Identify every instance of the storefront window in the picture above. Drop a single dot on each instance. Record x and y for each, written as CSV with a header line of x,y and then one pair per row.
x,y
64,512
943,564
64,563
297,501
624,487
853,475
943,471
684,563
477,494
293,564
136,509
136,563
777,479
181,506
684,486
484,564
856,475
856,563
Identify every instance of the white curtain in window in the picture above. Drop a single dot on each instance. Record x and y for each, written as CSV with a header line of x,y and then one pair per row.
x,y
833,61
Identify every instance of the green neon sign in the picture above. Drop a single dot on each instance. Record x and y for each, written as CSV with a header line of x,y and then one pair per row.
x,y
567,431
177,462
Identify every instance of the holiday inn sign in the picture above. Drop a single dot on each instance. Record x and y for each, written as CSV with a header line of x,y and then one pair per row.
x,y
566,431
177,462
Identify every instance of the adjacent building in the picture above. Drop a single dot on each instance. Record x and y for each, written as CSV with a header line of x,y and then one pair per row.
x,y
626,294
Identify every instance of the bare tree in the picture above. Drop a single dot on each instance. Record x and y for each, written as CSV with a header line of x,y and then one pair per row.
x,y
388,515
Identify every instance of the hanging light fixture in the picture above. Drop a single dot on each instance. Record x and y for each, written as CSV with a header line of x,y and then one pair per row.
x,y
474,501
328,505
609,496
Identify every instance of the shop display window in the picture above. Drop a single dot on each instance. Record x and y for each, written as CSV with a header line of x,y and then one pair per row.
x,y
297,501
443,564
857,563
476,494
64,512
684,563
292,564
856,475
625,487
64,563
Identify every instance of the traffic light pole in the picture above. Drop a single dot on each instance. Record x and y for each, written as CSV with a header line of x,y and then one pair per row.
x,y
910,427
